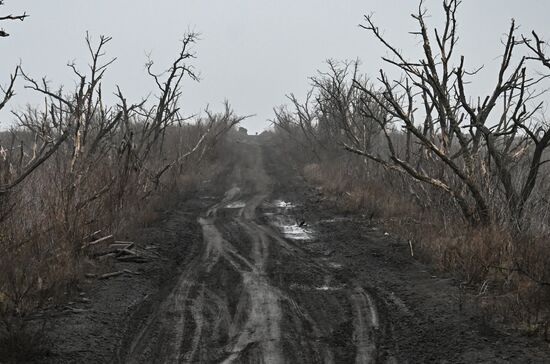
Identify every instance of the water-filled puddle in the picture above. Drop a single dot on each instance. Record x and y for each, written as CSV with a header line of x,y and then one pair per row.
x,y
329,263
235,205
326,287
291,229
282,204
279,205
335,220
281,215
329,288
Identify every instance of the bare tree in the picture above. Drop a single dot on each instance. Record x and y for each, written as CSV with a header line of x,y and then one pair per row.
x,y
331,113
82,166
130,136
10,17
8,91
459,145
15,170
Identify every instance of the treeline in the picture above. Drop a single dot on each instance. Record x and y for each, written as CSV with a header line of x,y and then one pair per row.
x,y
77,169
464,177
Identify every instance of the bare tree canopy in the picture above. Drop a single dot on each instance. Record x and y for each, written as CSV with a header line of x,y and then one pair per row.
x,y
9,17
473,141
8,92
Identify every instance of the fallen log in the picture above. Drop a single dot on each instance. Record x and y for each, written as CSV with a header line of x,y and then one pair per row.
x,y
99,241
115,251
122,245
124,251
92,235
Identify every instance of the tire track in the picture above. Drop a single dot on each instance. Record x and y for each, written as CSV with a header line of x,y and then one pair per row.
x,y
170,318
366,325
225,308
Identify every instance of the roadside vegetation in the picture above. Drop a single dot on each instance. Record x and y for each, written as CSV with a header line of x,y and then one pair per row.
x,y
462,177
77,171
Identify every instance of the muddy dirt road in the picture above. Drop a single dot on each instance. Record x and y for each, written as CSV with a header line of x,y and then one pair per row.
x,y
264,269
240,300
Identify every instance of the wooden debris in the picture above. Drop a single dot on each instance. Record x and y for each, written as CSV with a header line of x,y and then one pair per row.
x,y
101,240
104,239
122,245
111,275
124,251
92,235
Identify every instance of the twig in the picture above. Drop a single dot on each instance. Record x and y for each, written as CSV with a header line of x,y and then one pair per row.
x,y
411,247
99,241
111,275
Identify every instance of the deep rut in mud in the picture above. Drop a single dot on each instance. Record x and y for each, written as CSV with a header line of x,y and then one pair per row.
x,y
253,295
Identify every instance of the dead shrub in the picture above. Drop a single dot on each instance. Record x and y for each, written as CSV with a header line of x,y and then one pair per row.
x,y
507,276
79,169
463,177
354,193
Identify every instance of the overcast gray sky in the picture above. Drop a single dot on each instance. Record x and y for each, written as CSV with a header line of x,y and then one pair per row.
x,y
252,52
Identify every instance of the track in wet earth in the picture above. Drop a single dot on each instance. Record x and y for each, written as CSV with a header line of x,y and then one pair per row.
x,y
251,294
261,267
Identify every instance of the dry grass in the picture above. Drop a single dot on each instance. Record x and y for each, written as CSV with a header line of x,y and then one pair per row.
x,y
43,234
355,194
78,169
505,275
